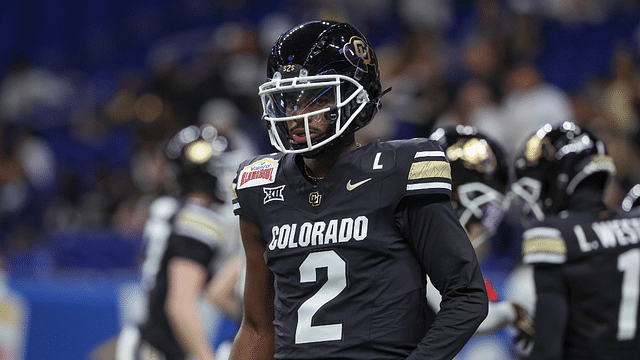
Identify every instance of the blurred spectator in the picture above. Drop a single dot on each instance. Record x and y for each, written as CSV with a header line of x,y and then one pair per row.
x,y
416,75
271,26
482,59
529,103
621,96
241,69
609,106
436,15
480,37
34,96
93,158
225,116
475,106
27,182
585,11
524,41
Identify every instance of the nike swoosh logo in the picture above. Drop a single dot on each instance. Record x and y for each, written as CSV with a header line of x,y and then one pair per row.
x,y
351,186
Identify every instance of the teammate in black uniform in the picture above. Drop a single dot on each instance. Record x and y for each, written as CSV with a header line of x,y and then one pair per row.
x,y
339,238
586,257
186,238
480,176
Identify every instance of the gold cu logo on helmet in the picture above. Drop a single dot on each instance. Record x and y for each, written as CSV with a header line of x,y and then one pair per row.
x,y
357,50
314,198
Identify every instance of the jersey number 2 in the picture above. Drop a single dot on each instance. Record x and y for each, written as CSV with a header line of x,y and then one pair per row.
x,y
336,282
629,265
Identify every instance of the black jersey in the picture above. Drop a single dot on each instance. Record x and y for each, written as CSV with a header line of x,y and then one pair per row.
x,y
348,281
176,229
587,271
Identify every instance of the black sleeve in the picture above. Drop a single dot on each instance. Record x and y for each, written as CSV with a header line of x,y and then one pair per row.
x,y
445,252
551,315
185,247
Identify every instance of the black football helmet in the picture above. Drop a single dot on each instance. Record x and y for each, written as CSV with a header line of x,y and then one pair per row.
x,y
195,153
319,71
479,175
551,164
632,199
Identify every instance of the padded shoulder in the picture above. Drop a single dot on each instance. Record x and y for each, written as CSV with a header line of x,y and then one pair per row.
x,y
200,224
422,165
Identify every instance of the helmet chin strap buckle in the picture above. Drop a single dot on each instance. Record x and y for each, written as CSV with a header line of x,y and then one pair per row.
x,y
362,97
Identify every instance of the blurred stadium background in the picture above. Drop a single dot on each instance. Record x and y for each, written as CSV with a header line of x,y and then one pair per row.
x,y
91,90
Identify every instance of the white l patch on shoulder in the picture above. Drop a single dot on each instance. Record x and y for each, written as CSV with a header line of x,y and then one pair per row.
x,y
261,172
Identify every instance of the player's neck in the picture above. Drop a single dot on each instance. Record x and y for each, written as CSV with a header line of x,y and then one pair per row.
x,y
317,168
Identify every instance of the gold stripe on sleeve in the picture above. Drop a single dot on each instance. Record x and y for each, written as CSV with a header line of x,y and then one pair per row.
x,y
429,169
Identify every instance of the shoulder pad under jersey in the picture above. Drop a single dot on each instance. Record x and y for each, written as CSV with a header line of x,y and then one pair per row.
x,y
199,223
422,165
257,171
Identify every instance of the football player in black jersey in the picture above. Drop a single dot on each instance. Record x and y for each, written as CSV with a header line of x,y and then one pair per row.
x,y
187,237
480,176
339,238
586,257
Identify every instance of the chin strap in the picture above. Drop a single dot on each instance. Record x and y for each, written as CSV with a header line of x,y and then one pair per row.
x,y
378,103
368,112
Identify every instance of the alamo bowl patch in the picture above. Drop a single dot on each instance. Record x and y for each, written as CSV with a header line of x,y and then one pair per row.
x,y
261,172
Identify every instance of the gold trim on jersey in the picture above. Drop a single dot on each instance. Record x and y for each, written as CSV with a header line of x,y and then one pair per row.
x,y
429,169
543,245
199,227
549,245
